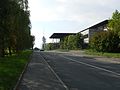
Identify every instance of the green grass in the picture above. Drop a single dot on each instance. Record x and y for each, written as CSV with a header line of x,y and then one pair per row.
x,y
63,50
91,52
11,68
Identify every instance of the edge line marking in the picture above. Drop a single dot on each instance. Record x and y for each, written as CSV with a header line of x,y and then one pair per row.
x,y
55,73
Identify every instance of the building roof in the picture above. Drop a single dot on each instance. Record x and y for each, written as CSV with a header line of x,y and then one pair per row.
x,y
97,25
61,35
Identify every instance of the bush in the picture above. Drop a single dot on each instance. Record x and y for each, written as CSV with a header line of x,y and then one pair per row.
x,y
105,42
72,42
52,46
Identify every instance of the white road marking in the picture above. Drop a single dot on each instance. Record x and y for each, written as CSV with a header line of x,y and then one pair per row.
x,y
103,69
65,86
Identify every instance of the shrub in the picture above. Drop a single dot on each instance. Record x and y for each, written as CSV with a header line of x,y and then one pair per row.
x,y
72,42
105,42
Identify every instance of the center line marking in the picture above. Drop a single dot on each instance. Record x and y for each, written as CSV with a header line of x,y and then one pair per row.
x,y
92,66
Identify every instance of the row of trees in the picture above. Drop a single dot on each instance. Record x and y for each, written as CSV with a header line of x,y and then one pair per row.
x,y
52,46
15,26
72,42
108,41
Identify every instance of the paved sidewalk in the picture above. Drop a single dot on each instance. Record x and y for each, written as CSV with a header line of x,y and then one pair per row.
x,y
39,76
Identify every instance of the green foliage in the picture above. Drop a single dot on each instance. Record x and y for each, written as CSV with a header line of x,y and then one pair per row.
x,y
108,41
32,41
14,26
105,54
62,44
105,42
52,46
114,23
11,68
79,41
72,42
65,43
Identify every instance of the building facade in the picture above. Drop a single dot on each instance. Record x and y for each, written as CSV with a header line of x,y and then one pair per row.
x,y
88,33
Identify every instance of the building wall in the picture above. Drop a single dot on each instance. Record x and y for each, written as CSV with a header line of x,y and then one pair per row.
x,y
98,29
86,35
90,32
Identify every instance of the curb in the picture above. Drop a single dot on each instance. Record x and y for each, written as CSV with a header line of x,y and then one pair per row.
x,y
21,75
64,85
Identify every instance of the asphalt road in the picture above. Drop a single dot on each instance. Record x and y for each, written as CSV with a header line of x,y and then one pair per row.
x,y
56,71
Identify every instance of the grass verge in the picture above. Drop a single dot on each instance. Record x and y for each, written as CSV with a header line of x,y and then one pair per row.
x,y
91,52
62,50
11,68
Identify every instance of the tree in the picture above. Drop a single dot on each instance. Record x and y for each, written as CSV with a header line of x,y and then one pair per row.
x,y
52,46
32,41
3,28
14,26
72,42
105,41
79,41
114,23
108,41
65,42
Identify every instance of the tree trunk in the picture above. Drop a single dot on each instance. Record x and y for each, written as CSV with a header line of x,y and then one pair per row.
x,y
10,53
3,53
3,50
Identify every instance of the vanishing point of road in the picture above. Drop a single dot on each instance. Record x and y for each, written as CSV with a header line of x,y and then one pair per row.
x,y
63,71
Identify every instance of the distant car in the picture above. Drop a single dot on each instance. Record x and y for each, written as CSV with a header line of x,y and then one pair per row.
x,y
41,49
36,49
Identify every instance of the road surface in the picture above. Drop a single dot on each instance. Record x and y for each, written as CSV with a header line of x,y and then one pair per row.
x,y
59,71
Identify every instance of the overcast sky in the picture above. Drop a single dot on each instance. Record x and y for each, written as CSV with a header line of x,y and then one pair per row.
x,y
67,16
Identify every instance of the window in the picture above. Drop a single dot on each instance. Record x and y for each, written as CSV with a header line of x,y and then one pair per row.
x,y
85,36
